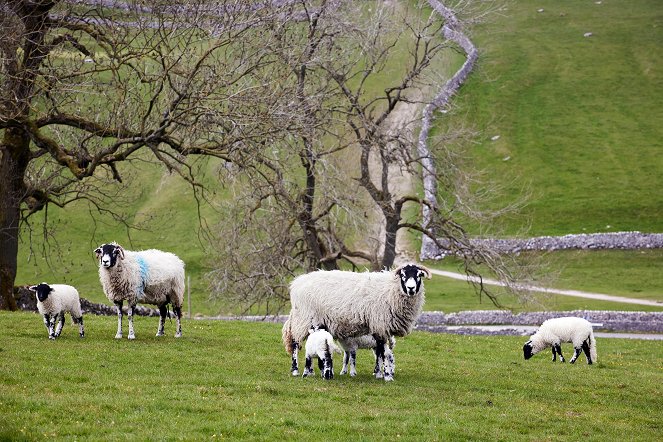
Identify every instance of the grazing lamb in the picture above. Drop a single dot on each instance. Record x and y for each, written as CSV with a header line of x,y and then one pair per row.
x,y
320,344
53,301
557,330
349,304
148,276
350,347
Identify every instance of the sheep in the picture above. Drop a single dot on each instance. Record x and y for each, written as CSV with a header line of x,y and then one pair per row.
x,y
350,347
567,329
147,276
53,301
320,344
349,304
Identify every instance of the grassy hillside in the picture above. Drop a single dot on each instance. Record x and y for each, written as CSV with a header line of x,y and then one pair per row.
x,y
230,380
578,117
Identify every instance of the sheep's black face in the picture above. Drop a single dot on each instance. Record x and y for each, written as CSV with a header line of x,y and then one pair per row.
x,y
411,277
42,290
107,254
527,350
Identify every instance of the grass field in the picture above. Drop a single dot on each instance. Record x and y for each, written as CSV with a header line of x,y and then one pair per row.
x,y
230,380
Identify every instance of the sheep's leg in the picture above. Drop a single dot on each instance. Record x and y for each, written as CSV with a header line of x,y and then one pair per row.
x,y
389,364
321,365
294,369
585,348
178,318
79,321
49,326
308,367
378,366
118,304
328,366
559,352
130,318
60,320
163,311
379,357
346,357
353,362
575,354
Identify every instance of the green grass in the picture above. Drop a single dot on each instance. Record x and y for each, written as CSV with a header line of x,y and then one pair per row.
x,y
578,117
230,380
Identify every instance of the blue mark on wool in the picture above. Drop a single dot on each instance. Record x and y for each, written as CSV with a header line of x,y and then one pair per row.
x,y
142,265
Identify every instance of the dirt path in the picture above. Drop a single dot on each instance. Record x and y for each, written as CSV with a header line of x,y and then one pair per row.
x,y
575,293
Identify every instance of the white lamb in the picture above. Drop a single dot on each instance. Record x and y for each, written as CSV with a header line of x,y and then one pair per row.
x,y
53,301
567,329
348,304
350,347
148,276
320,344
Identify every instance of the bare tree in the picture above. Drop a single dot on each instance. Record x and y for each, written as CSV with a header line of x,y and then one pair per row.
x,y
86,88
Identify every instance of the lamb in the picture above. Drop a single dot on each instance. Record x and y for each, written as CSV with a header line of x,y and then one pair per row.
x,y
348,304
350,347
320,344
53,301
148,276
567,329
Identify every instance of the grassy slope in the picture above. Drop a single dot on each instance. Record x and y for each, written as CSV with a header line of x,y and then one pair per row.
x,y
231,380
577,116
536,79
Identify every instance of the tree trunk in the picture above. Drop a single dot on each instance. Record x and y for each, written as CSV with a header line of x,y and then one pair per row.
x,y
391,228
14,160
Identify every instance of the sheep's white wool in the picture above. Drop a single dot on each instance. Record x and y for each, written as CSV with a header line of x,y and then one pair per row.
x,y
555,331
147,276
319,343
53,301
349,304
63,298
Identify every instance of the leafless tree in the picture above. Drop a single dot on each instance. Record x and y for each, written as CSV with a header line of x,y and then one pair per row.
x,y
88,86
317,194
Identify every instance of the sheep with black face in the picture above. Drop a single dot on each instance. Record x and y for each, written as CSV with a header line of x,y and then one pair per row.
x,y
554,331
147,276
349,304
53,301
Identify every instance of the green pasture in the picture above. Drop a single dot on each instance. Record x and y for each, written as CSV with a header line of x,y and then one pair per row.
x,y
230,380
578,118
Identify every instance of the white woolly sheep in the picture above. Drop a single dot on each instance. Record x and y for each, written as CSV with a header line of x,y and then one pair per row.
x,y
350,347
349,304
148,276
53,301
320,344
567,329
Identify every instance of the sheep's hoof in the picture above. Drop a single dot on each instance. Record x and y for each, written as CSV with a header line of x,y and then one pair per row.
x,y
51,337
344,371
388,378
131,337
178,334
118,336
159,334
378,375
295,372
353,373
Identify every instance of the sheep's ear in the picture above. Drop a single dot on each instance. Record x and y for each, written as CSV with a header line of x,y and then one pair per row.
x,y
425,271
120,251
97,252
32,288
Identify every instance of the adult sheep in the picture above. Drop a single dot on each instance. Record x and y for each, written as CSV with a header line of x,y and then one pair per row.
x,y
567,329
348,304
147,276
53,301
